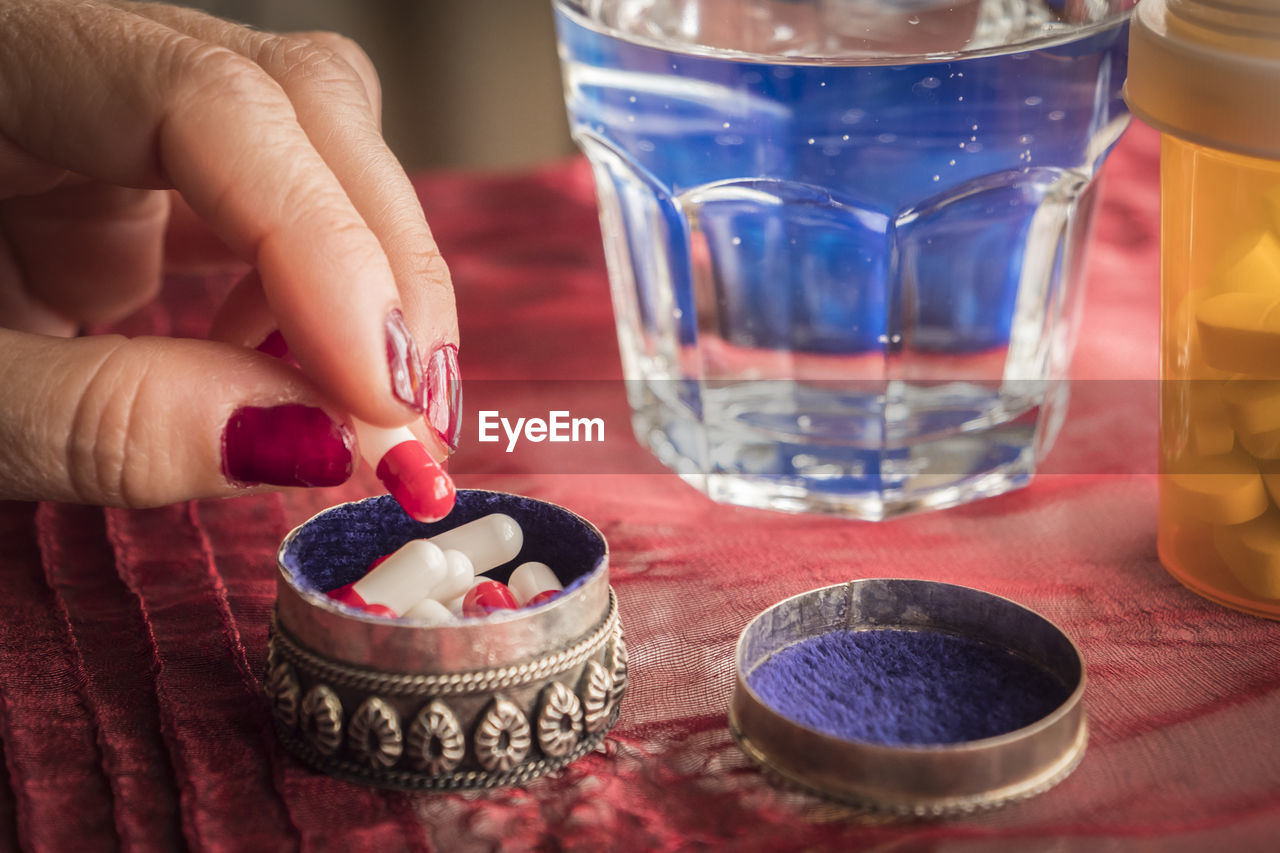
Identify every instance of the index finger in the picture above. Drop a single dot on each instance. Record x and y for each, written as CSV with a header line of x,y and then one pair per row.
x,y
160,108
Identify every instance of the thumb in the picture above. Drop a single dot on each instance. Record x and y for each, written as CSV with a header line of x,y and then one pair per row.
x,y
150,421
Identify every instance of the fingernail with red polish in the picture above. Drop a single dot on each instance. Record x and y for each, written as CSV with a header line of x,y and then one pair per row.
x,y
289,445
404,363
422,488
444,394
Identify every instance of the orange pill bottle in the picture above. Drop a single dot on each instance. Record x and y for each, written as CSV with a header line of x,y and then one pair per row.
x,y
1206,73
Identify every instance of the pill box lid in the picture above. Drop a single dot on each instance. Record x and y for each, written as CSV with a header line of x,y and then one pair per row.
x,y
925,779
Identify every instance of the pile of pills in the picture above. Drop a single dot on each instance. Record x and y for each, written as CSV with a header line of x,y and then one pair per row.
x,y
438,579
1221,489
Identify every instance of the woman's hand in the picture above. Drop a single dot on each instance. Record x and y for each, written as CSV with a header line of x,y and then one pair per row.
x,y
274,143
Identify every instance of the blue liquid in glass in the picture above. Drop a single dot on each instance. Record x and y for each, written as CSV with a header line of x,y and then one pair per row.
x,y
902,225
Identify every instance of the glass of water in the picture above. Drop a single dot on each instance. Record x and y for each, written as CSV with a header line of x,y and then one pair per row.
x,y
845,237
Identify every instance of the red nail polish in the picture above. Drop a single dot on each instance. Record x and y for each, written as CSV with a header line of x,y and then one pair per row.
x,y
289,445
416,481
404,363
444,394
486,597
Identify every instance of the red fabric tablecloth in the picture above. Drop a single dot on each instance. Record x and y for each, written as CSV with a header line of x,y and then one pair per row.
x,y
131,641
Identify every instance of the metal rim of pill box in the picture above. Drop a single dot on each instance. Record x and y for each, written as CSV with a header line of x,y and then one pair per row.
x,y
916,781
361,736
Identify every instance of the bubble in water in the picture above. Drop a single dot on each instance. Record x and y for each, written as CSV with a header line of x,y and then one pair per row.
x,y
1026,139
931,82
811,140
845,137
887,138
852,116
822,84
937,177
913,20
737,241
632,99
1034,101
725,125
1057,115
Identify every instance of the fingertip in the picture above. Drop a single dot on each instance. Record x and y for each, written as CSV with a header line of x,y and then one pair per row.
x,y
149,421
331,291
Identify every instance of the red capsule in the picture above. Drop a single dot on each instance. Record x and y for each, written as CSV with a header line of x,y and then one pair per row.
x,y
533,583
417,482
487,597
396,582
348,596
402,463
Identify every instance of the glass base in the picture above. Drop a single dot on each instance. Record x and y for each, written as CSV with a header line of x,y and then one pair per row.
x,y
866,483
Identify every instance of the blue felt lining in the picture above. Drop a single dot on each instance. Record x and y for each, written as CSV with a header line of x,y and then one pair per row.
x,y
336,547
899,687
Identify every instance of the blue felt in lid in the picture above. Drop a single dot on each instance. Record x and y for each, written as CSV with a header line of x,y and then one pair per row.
x,y
909,696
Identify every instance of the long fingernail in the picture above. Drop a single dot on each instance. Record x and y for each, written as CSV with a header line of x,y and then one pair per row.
x,y
289,445
444,394
405,363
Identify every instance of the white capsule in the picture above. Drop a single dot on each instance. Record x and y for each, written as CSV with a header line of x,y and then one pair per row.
x,y
455,604
489,541
401,580
430,611
530,580
457,580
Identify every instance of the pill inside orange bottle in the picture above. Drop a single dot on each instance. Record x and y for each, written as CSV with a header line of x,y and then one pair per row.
x,y
1200,73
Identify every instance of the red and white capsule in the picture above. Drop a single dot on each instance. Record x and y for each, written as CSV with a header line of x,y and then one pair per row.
x,y
422,488
487,597
488,541
533,583
398,581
